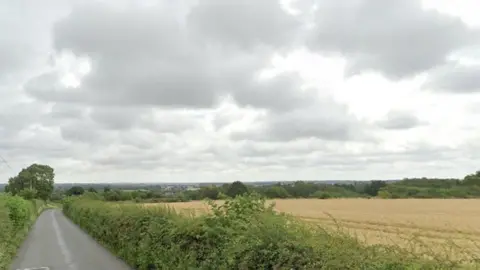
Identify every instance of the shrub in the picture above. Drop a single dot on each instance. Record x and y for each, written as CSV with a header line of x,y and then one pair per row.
x,y
242,233
16,216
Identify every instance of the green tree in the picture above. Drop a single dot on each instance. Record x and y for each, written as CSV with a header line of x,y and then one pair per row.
x,y
276,191
236,188
210,192
36,177
302,189
472,179
373,187
75,191
92,189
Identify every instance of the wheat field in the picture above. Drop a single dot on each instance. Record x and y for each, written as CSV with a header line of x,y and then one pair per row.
x,y
448,227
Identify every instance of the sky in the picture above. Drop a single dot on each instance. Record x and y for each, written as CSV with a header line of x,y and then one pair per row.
x,y
252,90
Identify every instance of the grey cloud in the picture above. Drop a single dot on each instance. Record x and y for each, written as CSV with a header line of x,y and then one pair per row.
x,y
325,120
124,158
396,38
454,78
63,111
24,40
245,24
17,116
82,132
117,118
173,121
281,93
147,56
397,120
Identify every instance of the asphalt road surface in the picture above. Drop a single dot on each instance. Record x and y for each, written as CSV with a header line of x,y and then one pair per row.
x,y
55,243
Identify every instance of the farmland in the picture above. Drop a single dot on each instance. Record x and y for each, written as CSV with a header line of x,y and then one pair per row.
x,y
448,227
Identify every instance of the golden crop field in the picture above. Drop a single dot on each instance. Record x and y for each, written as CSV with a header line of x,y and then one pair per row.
x,y
445,226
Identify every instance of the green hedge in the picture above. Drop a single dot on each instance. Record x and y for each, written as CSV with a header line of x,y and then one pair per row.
x,y
241,234
16,217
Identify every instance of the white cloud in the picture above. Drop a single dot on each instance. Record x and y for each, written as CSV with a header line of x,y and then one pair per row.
x,y
216,91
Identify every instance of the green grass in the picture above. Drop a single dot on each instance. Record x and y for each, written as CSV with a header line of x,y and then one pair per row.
x,y
240,234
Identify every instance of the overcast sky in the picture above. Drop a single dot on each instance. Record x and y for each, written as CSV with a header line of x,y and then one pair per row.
x,y
220,90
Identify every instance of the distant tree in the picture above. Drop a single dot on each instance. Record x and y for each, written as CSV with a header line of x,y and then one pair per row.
x,y
275,191
106,189
472,179
38,178
373,187
57,195
236,188
302,189
92,189
210,192
75,191
112,195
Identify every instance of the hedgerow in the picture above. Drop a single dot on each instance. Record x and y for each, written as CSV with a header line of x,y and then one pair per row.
x,y
16,216
243,233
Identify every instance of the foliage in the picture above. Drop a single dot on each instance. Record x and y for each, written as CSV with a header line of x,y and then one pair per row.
x,y
35,177
210,192
16,216
242,233
373,187
237,188
472,179
402,191
275,191
406,188
75,191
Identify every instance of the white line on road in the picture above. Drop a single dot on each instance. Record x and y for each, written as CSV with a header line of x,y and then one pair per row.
x,y
61,243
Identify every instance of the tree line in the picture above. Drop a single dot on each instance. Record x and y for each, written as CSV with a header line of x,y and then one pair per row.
x,y
37,182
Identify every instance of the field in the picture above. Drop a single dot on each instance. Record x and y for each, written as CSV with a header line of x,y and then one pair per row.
x,y
448,227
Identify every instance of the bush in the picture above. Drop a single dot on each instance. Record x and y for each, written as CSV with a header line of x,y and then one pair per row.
x,y
16,216
242,233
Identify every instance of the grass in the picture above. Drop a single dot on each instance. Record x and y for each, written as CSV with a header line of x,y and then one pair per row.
x,y
447,228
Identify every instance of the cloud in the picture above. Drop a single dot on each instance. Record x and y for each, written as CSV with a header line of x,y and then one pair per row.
x,y
149,57
454,78
326,120
265,18
188,91
396,38
398,120
23,45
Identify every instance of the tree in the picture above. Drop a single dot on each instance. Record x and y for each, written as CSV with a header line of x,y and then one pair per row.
x,y
75,191
472,179
236,188
210,192
92,189
276,191
35,177
373,187
302,189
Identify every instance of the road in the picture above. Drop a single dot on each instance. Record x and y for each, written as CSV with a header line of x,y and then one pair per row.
x,y
55,243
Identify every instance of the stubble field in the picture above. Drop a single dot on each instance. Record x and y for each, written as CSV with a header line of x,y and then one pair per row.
x,y
449,227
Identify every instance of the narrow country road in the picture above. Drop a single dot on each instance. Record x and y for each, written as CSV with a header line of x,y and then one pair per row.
x,y
55,243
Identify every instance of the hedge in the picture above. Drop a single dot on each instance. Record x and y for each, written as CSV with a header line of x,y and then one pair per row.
x,y
16,217
241,234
